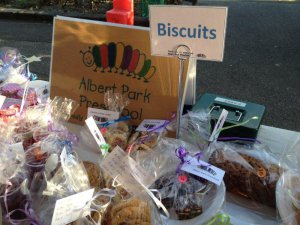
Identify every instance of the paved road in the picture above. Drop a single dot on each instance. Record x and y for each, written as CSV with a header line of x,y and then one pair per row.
x,y
262,60
31,38
261,64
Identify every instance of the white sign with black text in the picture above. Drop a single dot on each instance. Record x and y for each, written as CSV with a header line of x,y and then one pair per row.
x,y
201,28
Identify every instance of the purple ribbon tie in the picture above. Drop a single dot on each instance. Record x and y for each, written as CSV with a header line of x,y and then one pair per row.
x,y
181,153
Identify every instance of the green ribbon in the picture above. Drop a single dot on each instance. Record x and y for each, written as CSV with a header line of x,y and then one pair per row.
x,y
104,149
236,125
220,219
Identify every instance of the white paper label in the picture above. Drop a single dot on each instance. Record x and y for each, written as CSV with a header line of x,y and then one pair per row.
x,y
149,125
101,116
204,170
2,100
119,164
231,102
219,125
70,208
90,122
201,28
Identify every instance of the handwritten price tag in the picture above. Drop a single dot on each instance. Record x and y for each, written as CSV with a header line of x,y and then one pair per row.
x,y
119,164
70,208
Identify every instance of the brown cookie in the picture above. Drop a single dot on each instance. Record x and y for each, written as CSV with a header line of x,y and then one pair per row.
x,y
94,174
133,211
115,139
248,176
142,141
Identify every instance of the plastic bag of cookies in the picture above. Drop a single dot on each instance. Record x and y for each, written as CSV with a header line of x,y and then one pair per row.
x,y
189,199
147,135
116,134
143,141
251,172
288,186
100,180
95,209
138,210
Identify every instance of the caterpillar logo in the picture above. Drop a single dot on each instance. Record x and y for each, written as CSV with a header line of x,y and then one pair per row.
x,y
119,58
208,169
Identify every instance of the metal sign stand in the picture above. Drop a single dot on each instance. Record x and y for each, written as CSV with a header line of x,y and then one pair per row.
x,y
183,52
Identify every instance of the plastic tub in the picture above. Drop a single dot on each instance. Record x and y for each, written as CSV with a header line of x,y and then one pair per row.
x,y
212,203
287,204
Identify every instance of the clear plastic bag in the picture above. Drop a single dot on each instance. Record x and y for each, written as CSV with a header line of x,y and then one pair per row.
x,y
32,119
251,172
62,108
115,101
41,155
143,141
288,186
12,160
195,128
13,197
116,134
163,159
7,129
10,63
96,208
136,210
14,66
95,175
115,130
62,178
182,194
123,208
39,122
188,198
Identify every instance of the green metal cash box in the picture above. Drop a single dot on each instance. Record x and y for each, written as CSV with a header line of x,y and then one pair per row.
x,y
238,112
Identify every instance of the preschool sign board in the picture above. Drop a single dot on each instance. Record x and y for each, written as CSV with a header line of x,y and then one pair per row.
x,y
90,58
200,28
